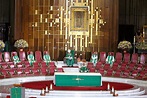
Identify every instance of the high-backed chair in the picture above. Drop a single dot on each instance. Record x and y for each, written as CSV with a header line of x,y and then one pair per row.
x,y
38,56
1,57
142,59
126,58
118,57
102,57
22,56
134,58
7,57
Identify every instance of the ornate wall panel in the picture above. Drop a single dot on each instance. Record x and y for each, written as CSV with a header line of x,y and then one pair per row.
x,y
82,25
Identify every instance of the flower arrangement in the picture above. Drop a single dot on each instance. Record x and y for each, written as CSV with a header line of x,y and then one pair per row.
x,y
21,43
141,45
2,44
124,45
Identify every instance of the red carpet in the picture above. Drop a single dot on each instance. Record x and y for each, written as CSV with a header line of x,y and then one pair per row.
x,y
42,84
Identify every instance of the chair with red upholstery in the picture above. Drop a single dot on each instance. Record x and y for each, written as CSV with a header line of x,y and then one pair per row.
x,y
118,58
106,66
139,67
7,57
98,66
52,70
123,67
102,71
115,66
142,59
117,73
134,74
22,56
126,58
142,75
38,56
92,69
102,57
60,70
3,64
134,58
1,58
125,74
109,72
131,66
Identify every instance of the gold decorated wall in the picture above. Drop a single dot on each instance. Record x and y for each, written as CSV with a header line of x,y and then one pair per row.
x,y
58,25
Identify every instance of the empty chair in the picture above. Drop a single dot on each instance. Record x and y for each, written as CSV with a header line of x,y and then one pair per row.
x,y
38,56
99,65
115,66
22,56
131,66
109,72
60,70
126,58
102,57
117,73
134,58
142,75
1,57
106,66
139,67
118,57
2,62
101,71
92,69
134,74
142,59
125,74
7,57
123,67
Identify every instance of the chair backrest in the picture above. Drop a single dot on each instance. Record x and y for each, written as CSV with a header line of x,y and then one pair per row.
x,y
134,58
22,55
102,57
118,57
38,55
1,57
7,57
126,58
142,58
